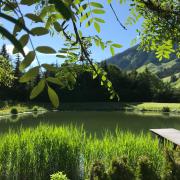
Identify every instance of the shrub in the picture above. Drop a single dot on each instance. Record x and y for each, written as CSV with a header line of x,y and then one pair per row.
x,y
145,170
120,170
14,111
98,171
143,109
172,165
14,118
165,109
35,109
58,176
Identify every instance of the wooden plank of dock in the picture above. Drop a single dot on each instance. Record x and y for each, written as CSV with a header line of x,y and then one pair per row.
x,y
170,134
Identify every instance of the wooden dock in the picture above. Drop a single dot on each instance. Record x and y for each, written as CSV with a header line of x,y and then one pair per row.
x,y
170,134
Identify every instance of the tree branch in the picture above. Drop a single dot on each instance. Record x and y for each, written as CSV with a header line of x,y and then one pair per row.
x,y
117,17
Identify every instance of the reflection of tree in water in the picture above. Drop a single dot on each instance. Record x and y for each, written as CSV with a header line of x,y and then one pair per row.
x,y
14,118
35,114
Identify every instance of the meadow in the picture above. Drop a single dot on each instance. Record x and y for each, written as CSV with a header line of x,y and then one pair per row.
x,y
45,150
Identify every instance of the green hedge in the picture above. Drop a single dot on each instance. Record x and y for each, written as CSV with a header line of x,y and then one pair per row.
x,y
46,150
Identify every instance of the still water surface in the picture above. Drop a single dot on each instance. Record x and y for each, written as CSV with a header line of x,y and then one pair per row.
x,y
94,121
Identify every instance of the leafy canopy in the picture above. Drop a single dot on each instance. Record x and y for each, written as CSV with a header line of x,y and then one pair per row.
x,y
55,16
160,30
6,72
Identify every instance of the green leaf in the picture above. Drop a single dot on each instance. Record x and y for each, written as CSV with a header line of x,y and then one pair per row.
x,y
109,84
95,4
53,97
97,27
31,74
28,2
82,8
98,11
27,60
97,42
39,31
104,78
62,8
94,75
89,22
19,23
12,39
37,89
102,45
16,29
23,40
54,80
49,67
61,56
57,27
112,96
46,10
10,6
45,50
99,20
109,1
34,17
85,16
112,50
117,45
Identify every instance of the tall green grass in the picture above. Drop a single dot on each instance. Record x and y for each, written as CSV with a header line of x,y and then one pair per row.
x,y
41,152
38,153
123,145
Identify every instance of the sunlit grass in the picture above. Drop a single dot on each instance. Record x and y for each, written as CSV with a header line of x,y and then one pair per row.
x,y
158,106
47,149
5,109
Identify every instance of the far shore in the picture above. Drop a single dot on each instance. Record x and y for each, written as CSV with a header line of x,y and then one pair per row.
x,y
93,106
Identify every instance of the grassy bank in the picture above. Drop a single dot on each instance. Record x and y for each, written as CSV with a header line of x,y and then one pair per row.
x,y
115,106
46,150
171,107
7,108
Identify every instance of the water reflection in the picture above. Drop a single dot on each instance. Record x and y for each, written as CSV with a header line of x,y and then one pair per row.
x,y
94,122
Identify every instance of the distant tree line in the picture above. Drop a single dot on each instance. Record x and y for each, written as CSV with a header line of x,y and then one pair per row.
x,y
81,87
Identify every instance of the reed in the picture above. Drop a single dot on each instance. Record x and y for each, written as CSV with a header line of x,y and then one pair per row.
x,y
45,150
40,152
123,145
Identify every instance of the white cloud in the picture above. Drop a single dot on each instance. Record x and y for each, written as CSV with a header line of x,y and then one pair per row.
x,y
41,54
10,48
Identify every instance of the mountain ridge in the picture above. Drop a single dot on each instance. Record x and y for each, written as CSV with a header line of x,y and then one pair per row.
x,y
134,59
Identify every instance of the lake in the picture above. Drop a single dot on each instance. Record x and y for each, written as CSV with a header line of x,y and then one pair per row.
x,y
94,121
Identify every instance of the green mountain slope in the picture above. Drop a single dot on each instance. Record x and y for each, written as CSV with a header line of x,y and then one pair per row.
x,y
133,59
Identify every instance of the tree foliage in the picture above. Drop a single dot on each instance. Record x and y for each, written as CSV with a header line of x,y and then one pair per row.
x,y
56,16
160,30
6,72
81,87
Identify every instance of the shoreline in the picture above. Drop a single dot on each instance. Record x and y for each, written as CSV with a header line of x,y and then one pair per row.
x,y
95,106
116,106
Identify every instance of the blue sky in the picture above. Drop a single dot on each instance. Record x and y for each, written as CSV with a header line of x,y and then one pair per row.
x,y
111,30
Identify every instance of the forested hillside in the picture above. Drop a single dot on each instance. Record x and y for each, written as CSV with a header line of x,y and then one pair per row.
x,y
134,59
